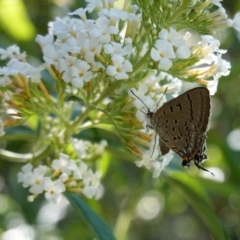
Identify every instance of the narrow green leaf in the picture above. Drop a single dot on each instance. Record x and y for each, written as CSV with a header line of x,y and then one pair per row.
x,y
227,188
193,192
104,162
100,228
17,133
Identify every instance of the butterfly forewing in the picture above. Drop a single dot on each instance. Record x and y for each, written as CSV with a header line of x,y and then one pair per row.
x,y
193,105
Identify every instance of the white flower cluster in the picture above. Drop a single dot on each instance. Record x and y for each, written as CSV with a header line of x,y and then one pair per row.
x,y
63,174
17,65
86,149
170,46
78,48
211,65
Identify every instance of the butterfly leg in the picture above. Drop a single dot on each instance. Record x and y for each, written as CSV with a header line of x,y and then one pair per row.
x,y
200,167
155,140
148,127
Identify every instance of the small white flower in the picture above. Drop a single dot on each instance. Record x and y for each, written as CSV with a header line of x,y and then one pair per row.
x,y
51,54
64,64
92,47
34,74
71,45
128,41
53,190
77,169
208,45
18,67
94,178
148,159
77,174
212,86
114,15
89,191
92,4
183,52
81,12
60,28
217,2
12,52
134,8
119,68
26,176
80,73
159,166
37,180
105,29
63,177
172,37
221,68
80,147
236,22
83,168
162,53
44,40
62,164
117,48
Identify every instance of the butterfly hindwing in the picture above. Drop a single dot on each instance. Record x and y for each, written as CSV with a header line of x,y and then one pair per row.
x,y
179,135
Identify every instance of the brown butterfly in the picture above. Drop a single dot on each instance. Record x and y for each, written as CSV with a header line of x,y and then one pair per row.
x,y
181,125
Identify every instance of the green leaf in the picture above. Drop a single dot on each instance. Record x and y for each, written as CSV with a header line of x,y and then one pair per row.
x,y
223,190
15,20
17,133
100,228
193,192
104,162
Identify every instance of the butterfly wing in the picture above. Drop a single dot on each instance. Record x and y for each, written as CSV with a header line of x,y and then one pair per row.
x,y
180,136
181,124
193,105
163,147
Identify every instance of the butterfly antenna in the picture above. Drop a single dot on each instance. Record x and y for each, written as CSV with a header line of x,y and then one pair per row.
x,y
140,101
161,98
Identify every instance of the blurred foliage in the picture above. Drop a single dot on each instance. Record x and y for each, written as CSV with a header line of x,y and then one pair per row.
x,y
180,204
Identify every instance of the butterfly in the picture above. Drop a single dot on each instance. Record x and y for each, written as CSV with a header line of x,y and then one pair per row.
x,y
181,125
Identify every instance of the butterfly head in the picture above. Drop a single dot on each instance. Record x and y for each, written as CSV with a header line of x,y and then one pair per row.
x,y
150,114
